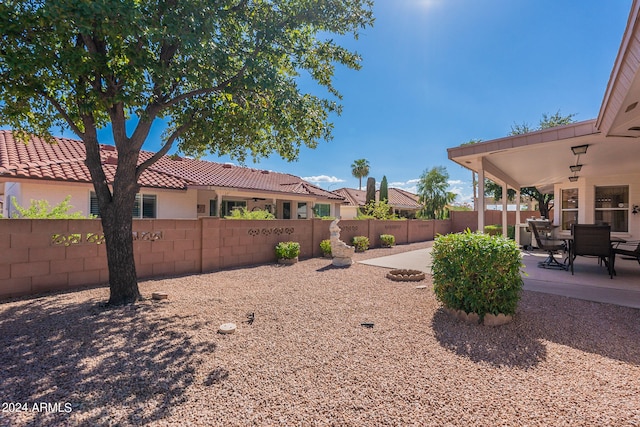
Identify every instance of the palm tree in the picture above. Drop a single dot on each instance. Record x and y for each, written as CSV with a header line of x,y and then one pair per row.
x,y
360,169
432,192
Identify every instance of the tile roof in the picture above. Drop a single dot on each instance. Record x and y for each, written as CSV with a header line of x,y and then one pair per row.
x,y
403,199
397,198
352,197
64,161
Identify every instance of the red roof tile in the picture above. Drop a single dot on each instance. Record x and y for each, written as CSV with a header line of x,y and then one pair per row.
x,y
64,161
397,198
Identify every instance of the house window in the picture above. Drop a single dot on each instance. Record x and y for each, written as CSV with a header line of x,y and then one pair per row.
x,y
321,209
213,207
229,205
569,208
286,210
93,205
143,207
612,207
302,210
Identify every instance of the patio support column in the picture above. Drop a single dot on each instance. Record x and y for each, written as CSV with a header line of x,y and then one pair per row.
x,y
505,196
517,221
481,199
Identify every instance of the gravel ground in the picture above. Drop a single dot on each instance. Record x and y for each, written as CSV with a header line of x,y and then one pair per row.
x,y
307,361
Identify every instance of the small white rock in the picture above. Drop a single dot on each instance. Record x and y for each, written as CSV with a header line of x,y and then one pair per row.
x,y
227,328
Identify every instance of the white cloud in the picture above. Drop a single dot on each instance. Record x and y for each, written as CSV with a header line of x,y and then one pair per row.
x,y
323,178
405,185
463,195
455,182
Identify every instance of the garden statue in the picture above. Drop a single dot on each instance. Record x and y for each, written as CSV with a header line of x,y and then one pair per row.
x,y
341,252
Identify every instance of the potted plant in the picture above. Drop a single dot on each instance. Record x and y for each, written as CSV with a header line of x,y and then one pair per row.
x,y
287,252
361,243
387,240
325,247
477,276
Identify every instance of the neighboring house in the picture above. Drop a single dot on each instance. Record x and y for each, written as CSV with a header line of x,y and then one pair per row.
x,y
404,203
172,188
591,167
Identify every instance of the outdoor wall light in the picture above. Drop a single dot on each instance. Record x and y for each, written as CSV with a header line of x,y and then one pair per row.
x,y
573,178
635,209
575,168
579,149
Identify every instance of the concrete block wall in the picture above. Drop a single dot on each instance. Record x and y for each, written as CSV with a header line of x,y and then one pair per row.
x,y
244,242
421,231
164,247
47,255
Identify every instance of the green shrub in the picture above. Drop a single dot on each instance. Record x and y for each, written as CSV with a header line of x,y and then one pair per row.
x,y
361,243
377,210
243,213
387,240
40,209
493,230
287,250
477,273
496,230
325,247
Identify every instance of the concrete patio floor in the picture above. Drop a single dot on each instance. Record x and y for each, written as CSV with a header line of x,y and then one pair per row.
x,y
590,281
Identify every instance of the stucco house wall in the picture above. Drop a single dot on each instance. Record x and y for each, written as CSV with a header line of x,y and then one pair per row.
x,y
169,203
586,195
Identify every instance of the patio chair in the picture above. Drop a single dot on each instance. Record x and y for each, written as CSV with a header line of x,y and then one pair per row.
x,y
592,240
549,245
629,250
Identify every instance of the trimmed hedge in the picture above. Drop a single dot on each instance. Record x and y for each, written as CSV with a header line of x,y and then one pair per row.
x,y
477,273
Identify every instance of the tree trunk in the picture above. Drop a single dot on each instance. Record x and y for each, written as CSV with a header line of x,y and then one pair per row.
x,y
117,224
116,199
116,207
123,280
544,209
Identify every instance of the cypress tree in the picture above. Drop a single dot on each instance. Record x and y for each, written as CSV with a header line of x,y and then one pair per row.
x,y
384,190
371,190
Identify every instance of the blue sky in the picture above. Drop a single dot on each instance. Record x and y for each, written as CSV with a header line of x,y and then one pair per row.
x,y
438,73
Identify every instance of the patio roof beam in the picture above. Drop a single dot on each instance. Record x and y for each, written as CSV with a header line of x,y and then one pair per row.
x,y
500,175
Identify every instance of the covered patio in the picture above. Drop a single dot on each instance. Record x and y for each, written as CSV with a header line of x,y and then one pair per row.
x,y
590,281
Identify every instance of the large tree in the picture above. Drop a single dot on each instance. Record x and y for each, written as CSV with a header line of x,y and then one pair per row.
x,y
547,121
544,199
360,169
221,74
433,194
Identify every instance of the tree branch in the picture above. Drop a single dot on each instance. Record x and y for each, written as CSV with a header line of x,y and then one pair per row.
x,y
164,150
205,91
62,112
